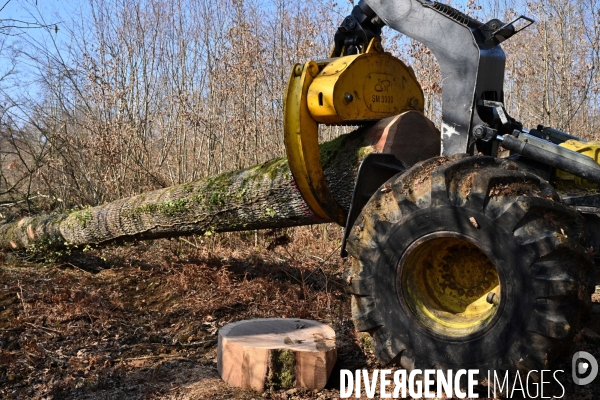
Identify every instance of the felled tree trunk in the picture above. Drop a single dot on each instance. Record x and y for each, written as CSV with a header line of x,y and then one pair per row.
x,y
263,196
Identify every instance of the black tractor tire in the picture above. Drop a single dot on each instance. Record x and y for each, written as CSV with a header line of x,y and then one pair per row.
x,y
488,224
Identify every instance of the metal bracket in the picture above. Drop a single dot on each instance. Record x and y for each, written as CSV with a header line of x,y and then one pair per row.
x,y
530,20
374,171
589,201
356,31
553,135
498,107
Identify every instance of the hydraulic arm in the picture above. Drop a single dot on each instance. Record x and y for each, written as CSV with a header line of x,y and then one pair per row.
x,y
472,66
470,58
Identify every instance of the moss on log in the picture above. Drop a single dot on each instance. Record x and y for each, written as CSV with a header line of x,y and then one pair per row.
x,y
259,197
263,196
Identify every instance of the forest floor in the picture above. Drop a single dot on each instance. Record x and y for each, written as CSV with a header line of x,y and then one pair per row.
x,y
140,321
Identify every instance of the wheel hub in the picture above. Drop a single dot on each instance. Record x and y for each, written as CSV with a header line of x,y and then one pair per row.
x,y
444,279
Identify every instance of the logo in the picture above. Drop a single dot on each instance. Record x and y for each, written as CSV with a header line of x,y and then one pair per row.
x,y
382,86
580,368
460,383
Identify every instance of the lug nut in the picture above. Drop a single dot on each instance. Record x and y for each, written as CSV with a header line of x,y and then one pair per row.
x,y
348,98
493,299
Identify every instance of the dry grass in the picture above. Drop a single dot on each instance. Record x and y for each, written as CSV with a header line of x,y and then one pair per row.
x,y
140,321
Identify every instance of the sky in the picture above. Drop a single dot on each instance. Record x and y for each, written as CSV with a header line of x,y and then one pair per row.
x,y
52,13
22,20
27,12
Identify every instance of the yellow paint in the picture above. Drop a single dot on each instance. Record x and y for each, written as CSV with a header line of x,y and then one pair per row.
x,y
590,149
363,87
302,146
346,90
445,282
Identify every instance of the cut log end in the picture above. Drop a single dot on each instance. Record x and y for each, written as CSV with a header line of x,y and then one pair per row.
x,y
281,353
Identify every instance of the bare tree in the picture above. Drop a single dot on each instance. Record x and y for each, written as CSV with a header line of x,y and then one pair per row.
x,y
135,95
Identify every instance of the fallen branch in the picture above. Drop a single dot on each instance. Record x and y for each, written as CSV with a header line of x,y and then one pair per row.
x,y
43,328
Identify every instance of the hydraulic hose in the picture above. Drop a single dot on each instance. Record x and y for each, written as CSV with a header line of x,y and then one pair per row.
x,y
571,166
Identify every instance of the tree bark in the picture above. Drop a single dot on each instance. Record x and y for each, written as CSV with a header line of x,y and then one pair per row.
x,y
259,197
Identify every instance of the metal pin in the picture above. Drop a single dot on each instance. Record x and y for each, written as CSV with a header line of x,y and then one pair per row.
x,y
493,299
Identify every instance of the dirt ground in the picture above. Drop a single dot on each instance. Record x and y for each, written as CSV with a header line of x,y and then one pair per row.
x,y
140,321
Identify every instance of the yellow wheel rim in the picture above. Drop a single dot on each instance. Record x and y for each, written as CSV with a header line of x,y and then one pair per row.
x,y
446,281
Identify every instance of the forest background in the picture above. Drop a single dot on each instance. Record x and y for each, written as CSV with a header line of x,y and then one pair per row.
x,y
104,99
117,97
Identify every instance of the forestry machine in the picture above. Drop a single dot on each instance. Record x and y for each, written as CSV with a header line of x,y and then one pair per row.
x,y
463,259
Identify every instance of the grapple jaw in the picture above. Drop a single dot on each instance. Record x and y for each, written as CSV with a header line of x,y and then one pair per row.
x,y
348,90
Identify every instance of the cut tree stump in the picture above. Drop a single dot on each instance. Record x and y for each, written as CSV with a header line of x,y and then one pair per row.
x,y
281,353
